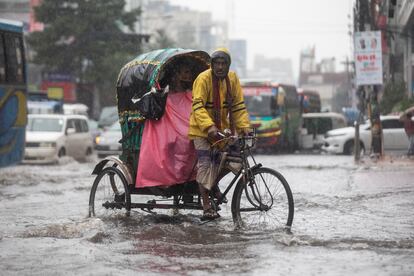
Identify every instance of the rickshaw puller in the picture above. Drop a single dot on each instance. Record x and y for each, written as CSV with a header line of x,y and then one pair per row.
x,y
218,104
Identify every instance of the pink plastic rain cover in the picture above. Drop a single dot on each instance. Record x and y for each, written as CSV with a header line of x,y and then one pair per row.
x,y
167,156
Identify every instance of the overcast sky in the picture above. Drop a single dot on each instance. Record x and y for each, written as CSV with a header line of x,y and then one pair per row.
x,y
282,28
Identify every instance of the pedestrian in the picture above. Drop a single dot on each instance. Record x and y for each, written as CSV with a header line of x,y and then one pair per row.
x,y
409,130
217,104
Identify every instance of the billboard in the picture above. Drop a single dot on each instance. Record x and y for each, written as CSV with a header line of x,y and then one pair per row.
x,y
368,58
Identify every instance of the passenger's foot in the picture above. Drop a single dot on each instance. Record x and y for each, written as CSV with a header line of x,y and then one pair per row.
x,y
209,214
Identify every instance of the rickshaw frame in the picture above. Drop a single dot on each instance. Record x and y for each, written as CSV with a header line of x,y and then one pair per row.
x,y
244,179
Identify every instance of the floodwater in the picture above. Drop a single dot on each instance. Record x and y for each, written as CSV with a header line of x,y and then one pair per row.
x,y
349,219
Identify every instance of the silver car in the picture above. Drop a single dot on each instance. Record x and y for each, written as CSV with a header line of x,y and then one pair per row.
x,y
107,142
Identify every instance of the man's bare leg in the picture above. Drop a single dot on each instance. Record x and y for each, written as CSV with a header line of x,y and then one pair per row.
x,y
204,197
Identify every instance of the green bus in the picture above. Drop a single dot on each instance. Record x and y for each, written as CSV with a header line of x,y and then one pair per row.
x,y
275,113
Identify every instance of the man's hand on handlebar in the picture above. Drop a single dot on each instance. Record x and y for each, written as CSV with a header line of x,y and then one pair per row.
x,y
212,132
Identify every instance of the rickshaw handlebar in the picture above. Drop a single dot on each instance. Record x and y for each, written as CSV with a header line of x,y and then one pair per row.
x,y
247,141
222,135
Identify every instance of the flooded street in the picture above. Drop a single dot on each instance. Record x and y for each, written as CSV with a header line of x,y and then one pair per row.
x,y
349,219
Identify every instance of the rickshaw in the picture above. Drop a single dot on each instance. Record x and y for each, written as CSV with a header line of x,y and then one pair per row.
x,y
261,196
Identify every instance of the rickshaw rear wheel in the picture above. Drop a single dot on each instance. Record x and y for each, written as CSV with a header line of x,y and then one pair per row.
x,y
109,194
264,202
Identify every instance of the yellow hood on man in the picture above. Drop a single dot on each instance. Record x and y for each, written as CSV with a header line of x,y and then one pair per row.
x,y
201,117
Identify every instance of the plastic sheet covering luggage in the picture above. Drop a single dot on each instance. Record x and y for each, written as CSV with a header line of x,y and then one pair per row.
x,y
167,156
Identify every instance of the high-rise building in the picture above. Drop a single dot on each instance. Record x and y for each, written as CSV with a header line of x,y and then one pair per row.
x,y
238,50
187,28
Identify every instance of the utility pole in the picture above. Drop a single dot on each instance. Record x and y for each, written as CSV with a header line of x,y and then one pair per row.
x,y
366,14
374,109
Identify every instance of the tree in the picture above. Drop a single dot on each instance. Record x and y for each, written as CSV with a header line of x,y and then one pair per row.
x,y
395,98
86,39
162,40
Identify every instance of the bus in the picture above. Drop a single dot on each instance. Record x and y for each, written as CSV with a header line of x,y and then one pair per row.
x,y
275,113
13,93
310,101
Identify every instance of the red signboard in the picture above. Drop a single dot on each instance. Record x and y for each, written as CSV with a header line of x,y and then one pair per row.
x,y
69,89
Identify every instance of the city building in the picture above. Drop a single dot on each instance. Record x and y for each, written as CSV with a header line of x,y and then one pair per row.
x,y
395,20
185,27
399,31
276,69
323,78
238,50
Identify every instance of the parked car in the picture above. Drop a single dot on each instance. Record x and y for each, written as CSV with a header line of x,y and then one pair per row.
x,y
341,140
107,143
315,126
52,136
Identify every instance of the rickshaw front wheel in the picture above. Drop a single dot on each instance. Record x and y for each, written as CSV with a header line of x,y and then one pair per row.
x,y
263,201
109,194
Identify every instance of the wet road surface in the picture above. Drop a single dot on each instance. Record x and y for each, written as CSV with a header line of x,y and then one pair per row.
x,y
349,219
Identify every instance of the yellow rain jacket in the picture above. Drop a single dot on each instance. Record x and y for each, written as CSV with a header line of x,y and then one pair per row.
x,y
201,117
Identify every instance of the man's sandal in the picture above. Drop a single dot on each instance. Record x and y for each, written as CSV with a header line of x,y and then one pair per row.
x,y
209,214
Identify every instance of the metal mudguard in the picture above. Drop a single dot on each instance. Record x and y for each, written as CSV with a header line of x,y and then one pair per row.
x,y
119,164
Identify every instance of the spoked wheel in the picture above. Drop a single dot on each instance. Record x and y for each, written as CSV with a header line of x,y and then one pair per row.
x,y
265,202
109,194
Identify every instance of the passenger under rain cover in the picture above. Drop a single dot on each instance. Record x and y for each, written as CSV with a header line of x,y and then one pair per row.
x,y
149,70
138,77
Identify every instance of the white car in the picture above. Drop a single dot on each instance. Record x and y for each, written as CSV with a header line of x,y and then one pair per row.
x,y
341,140
316,125
52,136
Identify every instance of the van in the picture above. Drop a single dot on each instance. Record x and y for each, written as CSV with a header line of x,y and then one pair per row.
x,y
52,136
77,108
315,125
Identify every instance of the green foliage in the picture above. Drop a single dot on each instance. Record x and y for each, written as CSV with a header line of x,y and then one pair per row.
x,y
403,105
394,95
86,39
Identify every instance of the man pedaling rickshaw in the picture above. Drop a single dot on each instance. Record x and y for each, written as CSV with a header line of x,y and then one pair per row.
x,y
217,105
169,130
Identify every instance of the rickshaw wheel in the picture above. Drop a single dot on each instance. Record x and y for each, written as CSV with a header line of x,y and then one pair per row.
x,y
109,194
265,202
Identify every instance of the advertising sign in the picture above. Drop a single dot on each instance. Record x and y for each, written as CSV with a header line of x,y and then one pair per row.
x,y
368,58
